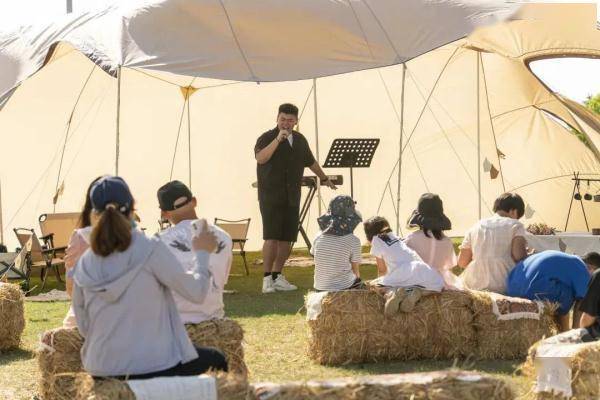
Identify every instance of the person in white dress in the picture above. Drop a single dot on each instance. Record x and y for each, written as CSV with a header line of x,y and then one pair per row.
x,y
492,247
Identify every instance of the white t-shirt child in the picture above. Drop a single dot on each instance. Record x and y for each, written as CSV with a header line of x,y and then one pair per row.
x,y
178,239
404,266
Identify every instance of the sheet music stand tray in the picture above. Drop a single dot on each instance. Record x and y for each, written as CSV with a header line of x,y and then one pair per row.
x,y
351,153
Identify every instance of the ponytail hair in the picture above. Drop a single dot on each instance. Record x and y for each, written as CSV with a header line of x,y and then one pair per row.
x,y
437,234
111,233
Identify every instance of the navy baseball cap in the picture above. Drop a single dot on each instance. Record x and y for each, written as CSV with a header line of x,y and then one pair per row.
x,y
173,195
111,190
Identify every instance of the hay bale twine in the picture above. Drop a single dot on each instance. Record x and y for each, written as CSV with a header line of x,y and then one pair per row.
x,y
352,328
420,386
585,372
508,339
12,316
59,352
81,386
225,335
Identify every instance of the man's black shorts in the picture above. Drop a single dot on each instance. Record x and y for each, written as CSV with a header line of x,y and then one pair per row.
x,y
280,221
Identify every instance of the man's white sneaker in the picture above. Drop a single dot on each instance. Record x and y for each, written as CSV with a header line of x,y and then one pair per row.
x,y
268,285
283,285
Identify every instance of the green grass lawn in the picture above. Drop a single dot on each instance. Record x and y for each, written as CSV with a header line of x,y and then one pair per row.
x,y
275,335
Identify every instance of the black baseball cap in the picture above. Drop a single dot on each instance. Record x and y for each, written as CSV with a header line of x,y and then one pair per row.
x,y
169,195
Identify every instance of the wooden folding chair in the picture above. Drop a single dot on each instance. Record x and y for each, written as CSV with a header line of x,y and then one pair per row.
x,y
37,256
238,230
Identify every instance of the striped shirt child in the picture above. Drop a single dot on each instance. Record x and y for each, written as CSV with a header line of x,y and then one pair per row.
x,y
333,257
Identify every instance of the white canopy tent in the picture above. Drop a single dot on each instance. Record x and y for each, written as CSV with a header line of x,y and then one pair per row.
x,y
203,130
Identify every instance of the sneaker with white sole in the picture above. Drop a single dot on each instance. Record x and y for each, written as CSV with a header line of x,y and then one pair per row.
x,y
268,285
283,285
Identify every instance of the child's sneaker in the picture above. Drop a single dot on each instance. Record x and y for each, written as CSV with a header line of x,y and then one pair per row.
x,y
413,295
393,300
282,284
268,285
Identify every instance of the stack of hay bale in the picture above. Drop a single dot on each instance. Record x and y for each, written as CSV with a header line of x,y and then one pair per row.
x,y
81,386
60,352
350,327
507,327
12,316
422,386
560,370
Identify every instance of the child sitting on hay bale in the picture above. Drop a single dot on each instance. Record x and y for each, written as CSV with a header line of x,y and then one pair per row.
x,y
119,295
555,277
429,242
403,276
336,249
491,247
178,206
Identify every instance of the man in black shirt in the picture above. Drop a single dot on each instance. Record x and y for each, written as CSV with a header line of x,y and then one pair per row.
x,y
281,155
590,305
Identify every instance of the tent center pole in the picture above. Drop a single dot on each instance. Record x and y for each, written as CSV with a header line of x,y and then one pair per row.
x,y
478,142
400,150
320,200
118,133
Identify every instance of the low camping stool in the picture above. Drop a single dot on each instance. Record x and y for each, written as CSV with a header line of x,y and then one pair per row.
x,y
59,351
454,384
13,265
37,256
562,367
238,230
57,229
12,316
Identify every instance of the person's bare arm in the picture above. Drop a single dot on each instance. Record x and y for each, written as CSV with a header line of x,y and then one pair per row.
x,y
263,156
518,249
381,267
465,256
356,269
586,320
316,169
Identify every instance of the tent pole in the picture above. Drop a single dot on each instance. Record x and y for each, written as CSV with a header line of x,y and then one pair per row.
x,y
478,142
69,6
189,143
118,133
317,139
400,150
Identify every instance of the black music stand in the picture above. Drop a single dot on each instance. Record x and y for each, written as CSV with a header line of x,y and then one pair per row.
x,y
351,153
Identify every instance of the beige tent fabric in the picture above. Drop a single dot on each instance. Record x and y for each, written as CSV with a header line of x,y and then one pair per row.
x,y
538,158
269,40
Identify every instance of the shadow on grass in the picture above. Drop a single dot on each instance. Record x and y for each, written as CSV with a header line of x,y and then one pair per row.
x,y
10,356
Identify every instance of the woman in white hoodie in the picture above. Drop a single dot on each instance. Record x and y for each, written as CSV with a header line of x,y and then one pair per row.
x,y
122,296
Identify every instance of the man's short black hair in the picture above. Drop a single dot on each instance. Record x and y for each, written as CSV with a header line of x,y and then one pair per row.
x,y
288,108
510,201
592,258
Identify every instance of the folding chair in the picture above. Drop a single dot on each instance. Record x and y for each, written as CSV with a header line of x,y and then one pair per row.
x,y
36,256
13,265
238,230
57,229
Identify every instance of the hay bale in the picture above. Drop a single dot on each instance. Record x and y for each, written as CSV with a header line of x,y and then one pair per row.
x,y
81,386
59,352
422,386
351,327
584,363
509,338
60,349
225,335
11,315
